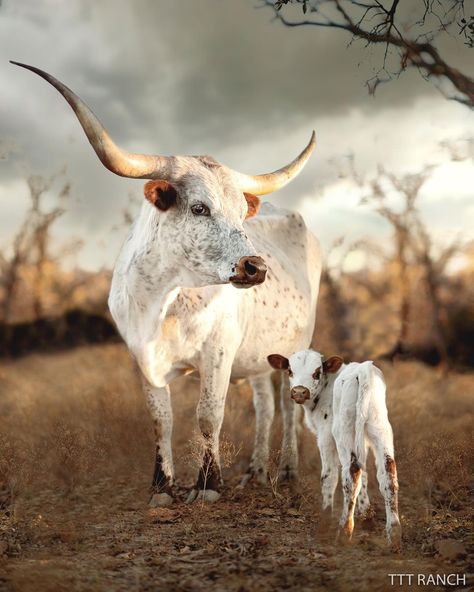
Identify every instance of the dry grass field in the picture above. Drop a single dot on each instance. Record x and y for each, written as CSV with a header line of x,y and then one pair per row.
x,y
76,458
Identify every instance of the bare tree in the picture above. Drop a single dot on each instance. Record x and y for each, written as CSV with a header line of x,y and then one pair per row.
x,y
337,309
10,269
434,267
41,222
412,39
31,245
413,245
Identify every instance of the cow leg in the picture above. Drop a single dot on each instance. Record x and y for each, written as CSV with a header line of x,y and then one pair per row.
x,y
159,404
351,483
264,405
210,414
329,469
288,469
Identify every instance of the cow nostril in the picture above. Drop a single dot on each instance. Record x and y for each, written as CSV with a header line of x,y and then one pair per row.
x,y
250,269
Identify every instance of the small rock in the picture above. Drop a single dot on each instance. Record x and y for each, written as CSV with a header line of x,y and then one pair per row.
x,y
293,512
268,512
450,549
163,515
316,555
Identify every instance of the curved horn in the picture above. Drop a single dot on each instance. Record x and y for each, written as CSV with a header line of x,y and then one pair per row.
x,y
126,164
263,184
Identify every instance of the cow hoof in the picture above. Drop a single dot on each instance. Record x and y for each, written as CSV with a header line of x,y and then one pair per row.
x,y
203,495
258,476
160,500
287,474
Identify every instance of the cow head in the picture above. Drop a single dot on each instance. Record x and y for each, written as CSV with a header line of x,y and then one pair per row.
x,y
307,371
200,205
200,217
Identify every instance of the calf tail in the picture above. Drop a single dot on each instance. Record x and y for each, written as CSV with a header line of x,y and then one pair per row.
x,y
367,383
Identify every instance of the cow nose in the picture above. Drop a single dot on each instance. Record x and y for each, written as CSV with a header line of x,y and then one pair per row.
x,y
299,394
249,271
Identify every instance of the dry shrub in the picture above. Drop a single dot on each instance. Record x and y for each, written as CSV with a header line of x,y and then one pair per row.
x,y
76,418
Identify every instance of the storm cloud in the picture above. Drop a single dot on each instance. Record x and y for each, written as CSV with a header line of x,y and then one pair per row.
x,y
216,77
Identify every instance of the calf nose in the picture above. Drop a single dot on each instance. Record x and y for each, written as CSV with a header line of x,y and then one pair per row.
x,y
299,394
249,271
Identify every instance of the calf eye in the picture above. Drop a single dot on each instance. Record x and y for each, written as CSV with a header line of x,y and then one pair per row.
x,y
199,209
290,373
317,374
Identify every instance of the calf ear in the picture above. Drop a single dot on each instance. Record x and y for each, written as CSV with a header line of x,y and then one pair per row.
x,y
253,203
160,194
332,364
278,362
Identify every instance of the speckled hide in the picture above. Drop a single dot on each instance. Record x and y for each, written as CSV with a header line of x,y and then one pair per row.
x,y
174,306
174,293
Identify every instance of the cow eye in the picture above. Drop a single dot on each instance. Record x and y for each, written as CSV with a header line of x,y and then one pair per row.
x,y
199,209
290,373
317,374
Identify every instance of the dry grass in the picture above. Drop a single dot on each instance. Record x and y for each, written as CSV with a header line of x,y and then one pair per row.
x,y
76,457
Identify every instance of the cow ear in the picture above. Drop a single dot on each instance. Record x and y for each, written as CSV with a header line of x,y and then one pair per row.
x,y
253,204
278,362
332,364
160,194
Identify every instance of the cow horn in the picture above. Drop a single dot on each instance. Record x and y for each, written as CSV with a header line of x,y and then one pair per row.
x,y
126,164
263,184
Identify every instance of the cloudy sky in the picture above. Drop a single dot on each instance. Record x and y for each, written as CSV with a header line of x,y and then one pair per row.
x,y
218,77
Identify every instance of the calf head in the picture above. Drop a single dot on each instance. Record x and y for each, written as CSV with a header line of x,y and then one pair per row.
x,y
200,204
307,371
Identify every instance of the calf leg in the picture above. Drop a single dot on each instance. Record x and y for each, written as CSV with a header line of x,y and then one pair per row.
x,y
288,469
329,469
264,405
388,484
351,484
210,414
159,404
363,501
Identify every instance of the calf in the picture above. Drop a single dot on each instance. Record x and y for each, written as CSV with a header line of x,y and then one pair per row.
x,y
344,406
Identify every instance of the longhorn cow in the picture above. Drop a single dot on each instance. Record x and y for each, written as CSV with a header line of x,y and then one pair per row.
x,y
199,236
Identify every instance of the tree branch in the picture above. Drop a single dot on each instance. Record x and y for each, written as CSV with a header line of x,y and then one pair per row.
x,y
422,55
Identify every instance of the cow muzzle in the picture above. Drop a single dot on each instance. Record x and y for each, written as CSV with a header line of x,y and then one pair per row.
x,y
249,271
300,394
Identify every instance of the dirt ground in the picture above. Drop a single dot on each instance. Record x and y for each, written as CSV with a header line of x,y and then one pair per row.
x,y
76,458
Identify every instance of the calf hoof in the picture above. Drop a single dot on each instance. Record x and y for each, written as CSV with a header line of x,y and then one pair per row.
x,y
160,500
343,538
364,511
367,519
203,495
395,538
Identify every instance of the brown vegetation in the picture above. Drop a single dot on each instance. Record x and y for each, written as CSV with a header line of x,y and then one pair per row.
x,y
76,458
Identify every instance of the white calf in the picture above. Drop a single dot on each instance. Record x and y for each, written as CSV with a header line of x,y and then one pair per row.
x,y
345,407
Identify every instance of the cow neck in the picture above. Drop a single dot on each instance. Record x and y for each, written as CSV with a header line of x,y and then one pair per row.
x,y
152,283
